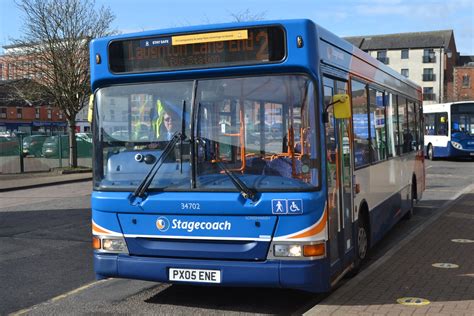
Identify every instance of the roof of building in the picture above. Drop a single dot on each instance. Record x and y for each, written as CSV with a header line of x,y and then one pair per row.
x,y
403,40
466,60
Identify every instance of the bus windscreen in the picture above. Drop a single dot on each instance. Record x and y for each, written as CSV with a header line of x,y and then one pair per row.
x,y
203,50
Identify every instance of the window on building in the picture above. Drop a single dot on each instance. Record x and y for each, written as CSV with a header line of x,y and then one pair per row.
x,y
404,54
1,71
466,81
429,55
428,94
37,113
3,112
19,113
428,74
50,112
9,71
60,115
404,72
382,56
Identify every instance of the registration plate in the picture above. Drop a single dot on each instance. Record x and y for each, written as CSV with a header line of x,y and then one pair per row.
x,y
195,275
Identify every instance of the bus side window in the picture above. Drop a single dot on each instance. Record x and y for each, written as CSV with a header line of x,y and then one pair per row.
x,y
430,124
360,124
442,124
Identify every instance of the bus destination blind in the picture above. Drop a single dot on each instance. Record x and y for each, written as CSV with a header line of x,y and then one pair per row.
x,y
203,50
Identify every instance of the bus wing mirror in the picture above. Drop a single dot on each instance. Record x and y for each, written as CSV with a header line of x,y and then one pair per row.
x,y
91,108
342,106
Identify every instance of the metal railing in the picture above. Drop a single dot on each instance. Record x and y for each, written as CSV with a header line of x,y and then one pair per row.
x,y
429,96
429,77
384,60
429,59
31,153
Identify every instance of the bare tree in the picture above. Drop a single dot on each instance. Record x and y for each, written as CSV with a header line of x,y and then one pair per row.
x,y
55,45
247,16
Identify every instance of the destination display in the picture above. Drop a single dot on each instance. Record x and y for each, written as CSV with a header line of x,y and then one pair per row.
x,y
203,50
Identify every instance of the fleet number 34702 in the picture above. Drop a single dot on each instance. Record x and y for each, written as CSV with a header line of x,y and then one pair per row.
x,y
190,206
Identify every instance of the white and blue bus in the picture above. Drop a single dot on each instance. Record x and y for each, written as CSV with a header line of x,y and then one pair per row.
x,y
291,153
449,130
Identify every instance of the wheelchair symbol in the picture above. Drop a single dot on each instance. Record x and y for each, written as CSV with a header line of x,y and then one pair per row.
x,y
295,206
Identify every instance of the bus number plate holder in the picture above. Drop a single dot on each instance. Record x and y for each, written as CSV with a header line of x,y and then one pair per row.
x,y
195,275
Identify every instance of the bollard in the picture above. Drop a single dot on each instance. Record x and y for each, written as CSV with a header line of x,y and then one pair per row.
x,y
60,151
20,148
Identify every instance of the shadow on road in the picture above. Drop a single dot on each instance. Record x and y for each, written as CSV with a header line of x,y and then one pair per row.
x,y
243,300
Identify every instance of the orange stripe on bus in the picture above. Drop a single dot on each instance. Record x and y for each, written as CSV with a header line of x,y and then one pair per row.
x,y
315,230
97,229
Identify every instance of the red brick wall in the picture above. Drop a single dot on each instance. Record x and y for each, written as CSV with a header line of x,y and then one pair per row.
x,y
462,93
28,114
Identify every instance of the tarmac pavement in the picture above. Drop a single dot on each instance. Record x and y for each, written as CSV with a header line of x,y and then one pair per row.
x,y
12,182
431,272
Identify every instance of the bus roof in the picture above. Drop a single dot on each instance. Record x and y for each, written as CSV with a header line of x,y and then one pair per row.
x,y
344,56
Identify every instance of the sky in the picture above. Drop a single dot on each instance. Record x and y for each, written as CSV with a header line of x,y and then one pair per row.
x,y
342,17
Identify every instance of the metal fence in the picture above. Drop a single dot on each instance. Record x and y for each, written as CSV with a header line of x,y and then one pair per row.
x,y
29,153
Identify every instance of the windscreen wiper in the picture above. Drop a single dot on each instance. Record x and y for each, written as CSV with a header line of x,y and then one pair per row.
x,y
141,189
244,190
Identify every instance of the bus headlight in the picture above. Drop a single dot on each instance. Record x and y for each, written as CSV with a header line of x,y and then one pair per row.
x,y
109,244
456,145
288,250
296,251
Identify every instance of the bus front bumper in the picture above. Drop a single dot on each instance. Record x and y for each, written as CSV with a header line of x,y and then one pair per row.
x,y
454,152
312,276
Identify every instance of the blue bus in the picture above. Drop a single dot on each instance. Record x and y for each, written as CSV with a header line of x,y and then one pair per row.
x,y
449,130
266,154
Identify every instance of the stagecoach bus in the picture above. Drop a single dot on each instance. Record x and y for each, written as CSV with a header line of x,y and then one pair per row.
x,y
291,153
449,130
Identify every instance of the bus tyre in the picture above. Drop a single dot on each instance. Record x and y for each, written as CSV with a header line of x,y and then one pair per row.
x,y
409,214
430,152
362,246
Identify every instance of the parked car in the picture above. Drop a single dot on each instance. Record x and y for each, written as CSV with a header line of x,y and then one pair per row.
x,y
33,145
9,146
51,146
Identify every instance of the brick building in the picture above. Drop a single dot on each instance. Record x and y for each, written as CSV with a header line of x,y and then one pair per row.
x,y
17,115
463,77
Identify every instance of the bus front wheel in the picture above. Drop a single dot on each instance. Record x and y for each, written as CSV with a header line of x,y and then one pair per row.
x,y
362,248
430,152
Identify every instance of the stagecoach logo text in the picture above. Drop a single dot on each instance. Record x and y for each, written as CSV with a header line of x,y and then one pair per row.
x,y
163,224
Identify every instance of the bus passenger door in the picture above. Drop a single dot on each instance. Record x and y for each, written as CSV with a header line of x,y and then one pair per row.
x,y
339,182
